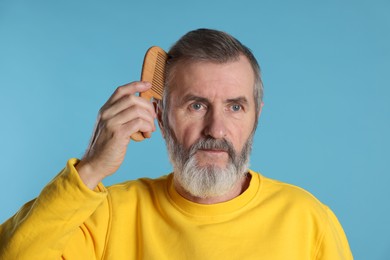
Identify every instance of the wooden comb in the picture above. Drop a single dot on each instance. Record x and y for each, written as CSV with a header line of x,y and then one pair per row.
x,y
153,71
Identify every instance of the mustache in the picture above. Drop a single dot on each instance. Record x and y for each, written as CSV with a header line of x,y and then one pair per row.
x,y
213,144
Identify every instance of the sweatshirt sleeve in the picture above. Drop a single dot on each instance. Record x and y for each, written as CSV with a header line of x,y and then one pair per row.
x,y
45,226
334,244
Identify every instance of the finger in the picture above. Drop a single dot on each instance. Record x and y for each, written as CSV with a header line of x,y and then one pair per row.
x,y
125,103
132,114
134,129
138,125
147,134
129,89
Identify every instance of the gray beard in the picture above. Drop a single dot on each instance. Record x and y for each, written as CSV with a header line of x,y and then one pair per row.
x,y
209,180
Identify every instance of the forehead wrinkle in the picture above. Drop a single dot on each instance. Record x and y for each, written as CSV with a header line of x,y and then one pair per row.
x,y
202,83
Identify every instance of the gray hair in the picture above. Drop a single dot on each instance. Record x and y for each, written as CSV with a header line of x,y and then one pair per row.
x,y
210,45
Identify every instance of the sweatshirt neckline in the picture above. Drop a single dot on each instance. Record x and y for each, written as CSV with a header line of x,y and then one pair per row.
x,y
196,209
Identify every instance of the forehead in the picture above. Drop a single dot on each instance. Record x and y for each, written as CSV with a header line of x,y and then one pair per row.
x,y
214,80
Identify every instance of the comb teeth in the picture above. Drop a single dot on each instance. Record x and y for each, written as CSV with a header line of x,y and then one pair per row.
x,y
159,75
153,70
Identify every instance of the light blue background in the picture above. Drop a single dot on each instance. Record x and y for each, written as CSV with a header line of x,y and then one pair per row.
x,y
325,125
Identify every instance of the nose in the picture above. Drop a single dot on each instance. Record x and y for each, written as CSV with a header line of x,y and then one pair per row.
x,y
215,124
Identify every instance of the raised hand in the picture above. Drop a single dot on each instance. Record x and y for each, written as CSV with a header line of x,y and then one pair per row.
x,y
122,115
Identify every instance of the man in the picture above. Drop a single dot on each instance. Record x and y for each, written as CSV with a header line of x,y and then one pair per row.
x,y
211,207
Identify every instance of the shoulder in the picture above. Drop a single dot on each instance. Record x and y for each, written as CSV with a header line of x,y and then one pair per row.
x,y
300,212
286,190
291,198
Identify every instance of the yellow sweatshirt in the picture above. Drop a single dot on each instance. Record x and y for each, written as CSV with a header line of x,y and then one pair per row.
x,y
148,219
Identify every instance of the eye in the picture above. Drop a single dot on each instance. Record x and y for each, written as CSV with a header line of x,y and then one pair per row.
x,y
196,106
236,107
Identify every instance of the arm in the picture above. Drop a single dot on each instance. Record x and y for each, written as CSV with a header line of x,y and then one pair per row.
x,y
334,244
44,227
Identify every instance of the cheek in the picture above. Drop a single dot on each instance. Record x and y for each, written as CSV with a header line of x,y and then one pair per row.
x,y
237,137
240,133
186,130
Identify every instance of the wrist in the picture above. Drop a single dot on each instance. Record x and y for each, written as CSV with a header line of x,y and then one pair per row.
x,y
88,175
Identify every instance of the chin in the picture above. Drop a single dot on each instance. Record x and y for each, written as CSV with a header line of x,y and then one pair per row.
x,y
212,162
219,166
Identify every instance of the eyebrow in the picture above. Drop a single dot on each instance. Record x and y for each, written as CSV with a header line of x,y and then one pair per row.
x,y
190,97
239,100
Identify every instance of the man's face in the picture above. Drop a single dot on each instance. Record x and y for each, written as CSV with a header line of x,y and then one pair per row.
x,y
212,102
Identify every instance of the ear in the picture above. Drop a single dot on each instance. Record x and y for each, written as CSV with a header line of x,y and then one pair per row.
x,y
261,108
158,108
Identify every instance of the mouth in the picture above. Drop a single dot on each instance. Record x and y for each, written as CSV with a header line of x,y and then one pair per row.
x,y
212,152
